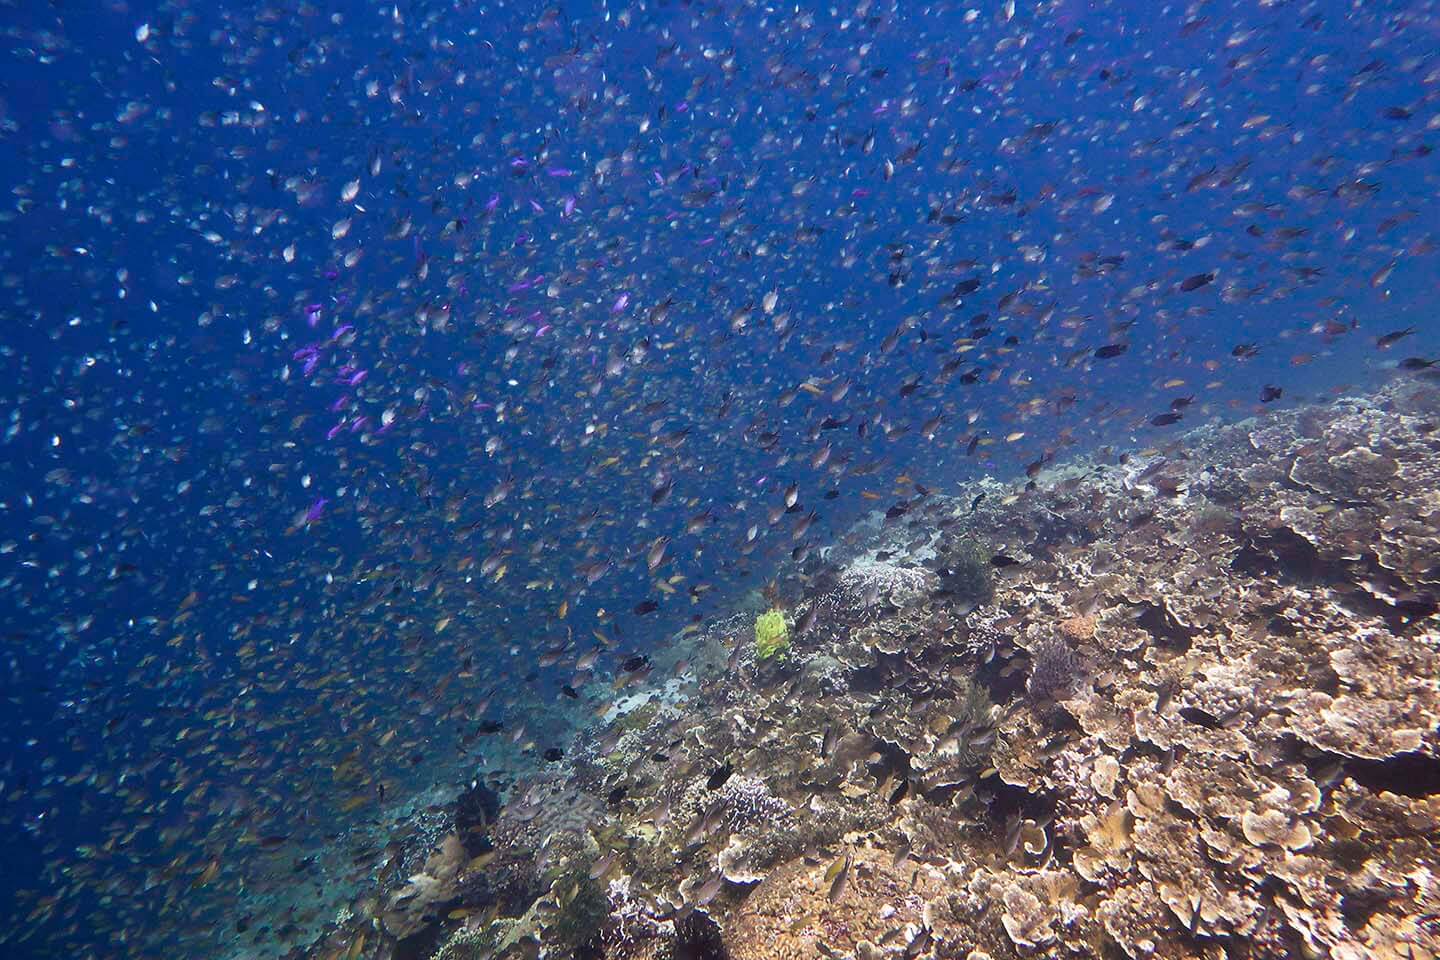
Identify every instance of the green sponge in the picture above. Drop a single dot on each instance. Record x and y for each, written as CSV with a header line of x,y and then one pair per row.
x,y
772,636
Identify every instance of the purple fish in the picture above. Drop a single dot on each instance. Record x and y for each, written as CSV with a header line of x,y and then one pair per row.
x,y
316,509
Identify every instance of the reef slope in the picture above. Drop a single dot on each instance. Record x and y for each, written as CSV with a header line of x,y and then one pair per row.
x,y
1172,704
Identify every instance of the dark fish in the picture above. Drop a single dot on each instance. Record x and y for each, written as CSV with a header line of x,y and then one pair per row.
x,y
1000,561
1164,419
1393,337
1417,363
616,795
807,619
1244,351
1110,350
1197,716
827,741
635,663
918,945
553,754
1196,282
718,778
900,792
976,502
1180,403
1270,392
645,606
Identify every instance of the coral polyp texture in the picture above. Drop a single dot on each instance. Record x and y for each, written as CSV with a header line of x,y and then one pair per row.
x,y
1196,717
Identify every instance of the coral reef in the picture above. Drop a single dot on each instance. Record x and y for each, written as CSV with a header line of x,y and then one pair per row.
x,y
1152,738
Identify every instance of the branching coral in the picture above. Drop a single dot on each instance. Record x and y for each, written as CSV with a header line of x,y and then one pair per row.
x,y
582,909
965,571
632,922
748,802
1055,670
469,943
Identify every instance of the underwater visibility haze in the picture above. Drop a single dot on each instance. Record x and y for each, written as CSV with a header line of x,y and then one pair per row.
x,y
720,479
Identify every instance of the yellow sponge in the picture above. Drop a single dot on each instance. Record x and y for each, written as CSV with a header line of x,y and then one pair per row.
x,y
772,636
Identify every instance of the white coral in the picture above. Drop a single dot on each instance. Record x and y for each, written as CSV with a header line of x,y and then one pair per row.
x,y
884,581
632,920
749,802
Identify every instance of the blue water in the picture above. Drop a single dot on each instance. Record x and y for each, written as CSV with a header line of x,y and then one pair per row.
x,y
223,575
